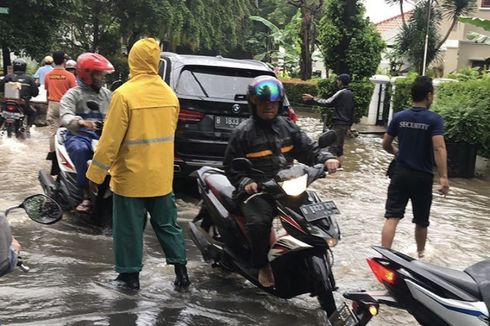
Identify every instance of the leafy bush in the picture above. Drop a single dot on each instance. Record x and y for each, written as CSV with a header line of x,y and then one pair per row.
x,y
362,90
465,108
402,98
295,88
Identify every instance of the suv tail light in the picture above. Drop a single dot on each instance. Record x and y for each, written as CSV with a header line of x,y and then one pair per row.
x,y
190,116
292,115
382,273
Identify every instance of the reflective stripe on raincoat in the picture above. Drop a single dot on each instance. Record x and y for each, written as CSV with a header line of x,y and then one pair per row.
x,y
137,143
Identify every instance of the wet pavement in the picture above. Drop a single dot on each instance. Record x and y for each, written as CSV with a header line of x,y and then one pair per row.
x,y
72,264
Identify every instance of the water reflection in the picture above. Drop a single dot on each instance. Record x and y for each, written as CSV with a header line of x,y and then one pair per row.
x,y
70,282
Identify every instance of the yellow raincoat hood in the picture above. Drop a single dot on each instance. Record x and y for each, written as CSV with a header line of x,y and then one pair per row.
x,y
144,57
137,142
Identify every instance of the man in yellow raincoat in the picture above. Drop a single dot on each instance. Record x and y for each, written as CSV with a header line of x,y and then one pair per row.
x,y
137,146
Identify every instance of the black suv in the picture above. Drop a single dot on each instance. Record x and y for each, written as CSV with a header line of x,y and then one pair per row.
x,y
212,95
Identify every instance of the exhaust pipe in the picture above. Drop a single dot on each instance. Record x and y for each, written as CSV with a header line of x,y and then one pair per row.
x,y
47,183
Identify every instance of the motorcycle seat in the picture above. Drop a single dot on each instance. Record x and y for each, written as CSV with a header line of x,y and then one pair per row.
x,y
480,272
223,189
459,279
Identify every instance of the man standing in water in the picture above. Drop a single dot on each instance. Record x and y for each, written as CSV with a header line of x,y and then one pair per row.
x,y
343,115
420,135
137,145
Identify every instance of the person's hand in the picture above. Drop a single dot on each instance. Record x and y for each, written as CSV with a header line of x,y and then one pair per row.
x,y
307,97
331,165
251,188
16,245
89,124
93,188
443,186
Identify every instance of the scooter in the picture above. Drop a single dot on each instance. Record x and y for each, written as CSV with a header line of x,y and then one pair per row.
x,y
65,190
40,209
301,238
434,295
12,117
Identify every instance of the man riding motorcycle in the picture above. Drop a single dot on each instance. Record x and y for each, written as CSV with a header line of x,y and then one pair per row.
x,y
9,248
271,142
80,120
29,88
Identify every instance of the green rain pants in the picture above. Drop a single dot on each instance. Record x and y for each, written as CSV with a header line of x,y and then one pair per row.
x,y
128,225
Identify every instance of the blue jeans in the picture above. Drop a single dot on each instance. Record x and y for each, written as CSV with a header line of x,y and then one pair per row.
x,y
79,147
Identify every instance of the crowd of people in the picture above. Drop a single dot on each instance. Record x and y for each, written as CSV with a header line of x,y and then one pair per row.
x,y
137,146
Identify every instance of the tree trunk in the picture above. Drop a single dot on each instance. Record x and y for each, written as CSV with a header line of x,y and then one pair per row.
x,y
402,13
307,39
6,58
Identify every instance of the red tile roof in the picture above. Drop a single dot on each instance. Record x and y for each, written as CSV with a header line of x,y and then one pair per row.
x,y
393,23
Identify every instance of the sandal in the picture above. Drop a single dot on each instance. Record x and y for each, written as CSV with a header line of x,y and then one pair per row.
x,y
84,206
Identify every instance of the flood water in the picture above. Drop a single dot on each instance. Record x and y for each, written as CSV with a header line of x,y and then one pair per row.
x,y
72,264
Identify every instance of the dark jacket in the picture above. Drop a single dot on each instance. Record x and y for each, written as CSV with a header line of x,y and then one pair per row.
x,y
270,146
343,103
29,87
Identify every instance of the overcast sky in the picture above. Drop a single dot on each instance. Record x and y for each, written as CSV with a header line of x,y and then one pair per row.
x,y
378,10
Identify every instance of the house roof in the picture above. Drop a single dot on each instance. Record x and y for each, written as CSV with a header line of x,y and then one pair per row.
x,y
390,27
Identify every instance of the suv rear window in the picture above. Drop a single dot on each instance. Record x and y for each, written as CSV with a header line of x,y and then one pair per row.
x,y
219,82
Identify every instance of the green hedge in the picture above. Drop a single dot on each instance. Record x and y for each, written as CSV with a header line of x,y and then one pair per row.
x,y
465,108
362,90
295,88
402,98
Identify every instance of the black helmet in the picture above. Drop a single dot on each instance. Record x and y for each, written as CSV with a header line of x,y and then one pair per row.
x,y
20,65
265,89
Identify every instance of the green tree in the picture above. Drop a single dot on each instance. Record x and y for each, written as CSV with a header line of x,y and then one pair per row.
x,y
310,12
30,26
410,42
349,42
411,39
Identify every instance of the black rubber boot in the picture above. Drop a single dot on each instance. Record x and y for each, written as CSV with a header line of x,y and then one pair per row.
x,y
181,278
131,280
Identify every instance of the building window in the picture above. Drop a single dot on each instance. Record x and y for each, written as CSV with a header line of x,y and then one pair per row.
x,y
485,3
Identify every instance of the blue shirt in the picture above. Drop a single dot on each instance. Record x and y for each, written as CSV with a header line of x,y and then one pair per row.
x,y
41,72
415,128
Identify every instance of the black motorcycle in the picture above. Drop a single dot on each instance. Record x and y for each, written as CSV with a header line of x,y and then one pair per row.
x,y
433,295
301,236
40,209
12,117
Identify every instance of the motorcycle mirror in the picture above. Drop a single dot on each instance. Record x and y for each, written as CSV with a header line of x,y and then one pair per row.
x,y
42,209
241,164
327,138
115,85
92,105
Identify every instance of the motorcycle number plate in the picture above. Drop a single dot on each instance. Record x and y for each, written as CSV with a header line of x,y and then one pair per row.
x,y
313,212
10,115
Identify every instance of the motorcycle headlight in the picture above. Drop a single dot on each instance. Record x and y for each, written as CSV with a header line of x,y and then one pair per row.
x,y
295,186
332,242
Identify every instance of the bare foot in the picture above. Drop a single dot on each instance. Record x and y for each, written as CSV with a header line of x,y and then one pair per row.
x,y
266,277
421,254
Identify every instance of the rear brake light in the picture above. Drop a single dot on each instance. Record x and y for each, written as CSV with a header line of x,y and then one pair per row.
x,y
11,108
190,116
382,273
292,115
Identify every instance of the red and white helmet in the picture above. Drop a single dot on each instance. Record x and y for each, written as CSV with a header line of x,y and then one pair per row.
x,y
88,62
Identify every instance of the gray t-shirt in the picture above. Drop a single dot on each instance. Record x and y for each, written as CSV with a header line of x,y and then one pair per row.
x,y
8,257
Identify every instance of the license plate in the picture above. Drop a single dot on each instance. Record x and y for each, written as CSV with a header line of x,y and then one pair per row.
x,y
11,115
313,212
227,123
343,317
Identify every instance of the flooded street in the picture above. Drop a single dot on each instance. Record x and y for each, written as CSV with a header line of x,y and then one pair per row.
x,y
72,264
